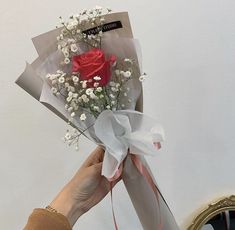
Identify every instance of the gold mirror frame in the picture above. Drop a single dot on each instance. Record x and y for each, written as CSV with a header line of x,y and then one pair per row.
x,y
227,203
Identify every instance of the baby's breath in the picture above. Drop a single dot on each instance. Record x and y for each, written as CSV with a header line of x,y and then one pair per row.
x,y
85,98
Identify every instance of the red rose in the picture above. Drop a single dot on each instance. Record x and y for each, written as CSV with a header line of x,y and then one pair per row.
x,y
93,63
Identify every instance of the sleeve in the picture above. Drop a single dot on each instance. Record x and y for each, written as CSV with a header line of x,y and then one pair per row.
x,y
42,219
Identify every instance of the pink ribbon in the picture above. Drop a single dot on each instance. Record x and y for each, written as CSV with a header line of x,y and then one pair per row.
x,y
145,173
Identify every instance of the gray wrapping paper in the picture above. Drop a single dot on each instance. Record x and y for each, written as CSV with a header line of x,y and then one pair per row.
x,y
31,80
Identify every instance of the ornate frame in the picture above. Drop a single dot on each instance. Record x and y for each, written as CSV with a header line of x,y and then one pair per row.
x,y
227,203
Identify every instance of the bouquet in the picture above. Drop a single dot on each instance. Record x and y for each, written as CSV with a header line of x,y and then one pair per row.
x,y
89,73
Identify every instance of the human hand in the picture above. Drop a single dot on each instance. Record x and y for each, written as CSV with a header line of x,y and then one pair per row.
x,y
85,189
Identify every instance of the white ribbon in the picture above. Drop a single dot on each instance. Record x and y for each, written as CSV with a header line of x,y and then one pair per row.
x,y
122,130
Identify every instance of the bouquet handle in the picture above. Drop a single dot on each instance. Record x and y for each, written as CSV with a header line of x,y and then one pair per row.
x,y
150,207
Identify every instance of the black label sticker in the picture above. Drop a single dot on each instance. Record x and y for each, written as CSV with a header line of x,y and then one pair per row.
x,y
105,28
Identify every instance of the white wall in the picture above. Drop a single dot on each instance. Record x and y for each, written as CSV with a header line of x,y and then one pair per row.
x,y
189,54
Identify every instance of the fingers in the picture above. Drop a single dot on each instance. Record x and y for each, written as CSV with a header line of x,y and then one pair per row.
x,y
95,157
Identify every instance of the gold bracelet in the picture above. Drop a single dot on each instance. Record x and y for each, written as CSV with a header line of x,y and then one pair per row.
x,y
49,208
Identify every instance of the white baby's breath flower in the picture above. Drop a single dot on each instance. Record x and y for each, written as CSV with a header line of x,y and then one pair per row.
x,y
128,60
99,89
61,80
66,60
108,107
125,94
54,90
93,96
75,95
70,109
142,77
85,98
96,108
74,21
101,96
97,78
67,136
70,26
71,88
65,51
83,117
61,36
127,74
66,84
89,91
64,31
68,99
48,76
114,89
123,105
71,41
89,37
74,48
113,102
75,79
63,44
111,95
73,114
100,33
84,84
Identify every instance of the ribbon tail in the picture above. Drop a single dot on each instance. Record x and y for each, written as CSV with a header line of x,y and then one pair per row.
x,y
111,196
144,171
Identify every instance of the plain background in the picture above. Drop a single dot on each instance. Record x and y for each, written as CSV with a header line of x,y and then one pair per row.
x,y
189,54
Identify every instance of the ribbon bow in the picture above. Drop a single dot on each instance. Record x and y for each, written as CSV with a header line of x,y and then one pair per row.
x,y
125,130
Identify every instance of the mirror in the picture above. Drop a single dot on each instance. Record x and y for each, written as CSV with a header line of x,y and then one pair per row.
x,y
219,215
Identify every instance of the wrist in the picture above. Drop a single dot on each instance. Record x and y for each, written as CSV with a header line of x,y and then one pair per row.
x,y
67,206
